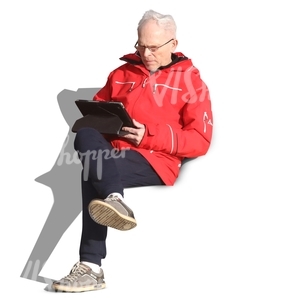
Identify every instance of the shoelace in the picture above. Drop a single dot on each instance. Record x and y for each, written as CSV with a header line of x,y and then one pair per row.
x,y
77,271
112,198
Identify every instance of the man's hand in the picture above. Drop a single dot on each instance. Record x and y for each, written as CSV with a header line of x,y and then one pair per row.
x,y
135,135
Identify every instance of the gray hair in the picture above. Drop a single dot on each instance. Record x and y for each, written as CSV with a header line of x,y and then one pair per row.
x,y
164,21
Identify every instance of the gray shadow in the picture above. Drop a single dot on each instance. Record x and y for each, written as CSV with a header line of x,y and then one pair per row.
x,y
64,181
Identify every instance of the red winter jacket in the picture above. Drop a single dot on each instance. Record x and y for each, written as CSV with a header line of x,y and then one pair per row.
x,y
173,104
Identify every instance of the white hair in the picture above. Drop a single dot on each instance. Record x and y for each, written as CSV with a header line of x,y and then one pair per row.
x,y
164,21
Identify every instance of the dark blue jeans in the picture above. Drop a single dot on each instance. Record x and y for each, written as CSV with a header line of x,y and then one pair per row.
x,y
105,170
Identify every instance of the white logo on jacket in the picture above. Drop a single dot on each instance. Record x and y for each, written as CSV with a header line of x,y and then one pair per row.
x,y
206,120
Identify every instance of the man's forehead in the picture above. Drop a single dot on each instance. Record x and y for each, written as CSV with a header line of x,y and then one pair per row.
x,y
152,35
151,27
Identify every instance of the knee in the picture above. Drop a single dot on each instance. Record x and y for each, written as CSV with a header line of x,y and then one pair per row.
x,y
85,138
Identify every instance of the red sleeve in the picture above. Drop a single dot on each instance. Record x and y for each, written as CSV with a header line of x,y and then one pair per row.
x,y
104,94
194,138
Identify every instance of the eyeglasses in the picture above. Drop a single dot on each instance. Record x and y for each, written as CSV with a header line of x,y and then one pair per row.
x,y
151,48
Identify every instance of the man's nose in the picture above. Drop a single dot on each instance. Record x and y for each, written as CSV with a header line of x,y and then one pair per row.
x,y
147,52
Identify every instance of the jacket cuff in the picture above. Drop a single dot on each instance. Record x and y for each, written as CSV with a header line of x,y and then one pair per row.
x,y
149,132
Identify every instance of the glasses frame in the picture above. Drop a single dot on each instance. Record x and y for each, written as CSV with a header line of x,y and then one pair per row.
x,y
153,48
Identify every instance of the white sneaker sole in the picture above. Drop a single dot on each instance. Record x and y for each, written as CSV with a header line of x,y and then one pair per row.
x,y
104,214
79,289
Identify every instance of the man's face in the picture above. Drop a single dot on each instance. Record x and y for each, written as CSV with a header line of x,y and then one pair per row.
x,y
151,35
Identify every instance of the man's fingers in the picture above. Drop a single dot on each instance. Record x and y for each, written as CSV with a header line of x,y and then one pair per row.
x,y
130,130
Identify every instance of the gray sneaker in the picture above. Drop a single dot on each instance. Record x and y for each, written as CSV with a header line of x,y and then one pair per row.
x,y
80,279
112,212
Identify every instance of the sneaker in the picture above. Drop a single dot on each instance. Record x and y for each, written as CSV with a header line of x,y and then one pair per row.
x,y
112,212
80,279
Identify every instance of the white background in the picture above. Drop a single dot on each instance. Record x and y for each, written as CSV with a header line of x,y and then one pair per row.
x,y
229,228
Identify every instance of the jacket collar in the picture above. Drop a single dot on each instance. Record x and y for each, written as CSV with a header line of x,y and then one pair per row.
x,y
135,59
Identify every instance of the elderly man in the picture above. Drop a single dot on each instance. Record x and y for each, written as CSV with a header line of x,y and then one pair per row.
x,y
164,94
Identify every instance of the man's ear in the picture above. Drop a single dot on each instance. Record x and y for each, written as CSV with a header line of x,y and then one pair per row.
x,y
174,45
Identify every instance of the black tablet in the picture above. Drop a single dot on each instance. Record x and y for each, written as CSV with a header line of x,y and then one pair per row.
x,y
108,116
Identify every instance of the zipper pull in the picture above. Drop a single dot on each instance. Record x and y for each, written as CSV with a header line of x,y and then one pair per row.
x,y
144,82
